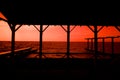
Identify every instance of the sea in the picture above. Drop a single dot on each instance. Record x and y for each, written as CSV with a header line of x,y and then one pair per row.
x,y
58,47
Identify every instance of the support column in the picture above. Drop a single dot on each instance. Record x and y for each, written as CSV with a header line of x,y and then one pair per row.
x,y
68,38
13,29
112,44
96,30
13,41
40,47
88,44
41,30
68,41
103,48
95,42
92,43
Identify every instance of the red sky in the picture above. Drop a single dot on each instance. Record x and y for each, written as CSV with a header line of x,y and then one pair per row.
x,y
53,33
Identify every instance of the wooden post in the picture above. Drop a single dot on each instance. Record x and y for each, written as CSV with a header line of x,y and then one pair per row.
x,y
95,43
68,41
40,47
92,44
112,43
88,44
12,40
96,51
103,46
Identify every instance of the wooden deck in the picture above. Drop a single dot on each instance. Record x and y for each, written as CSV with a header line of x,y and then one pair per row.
x,y
61,69
29,52
78,66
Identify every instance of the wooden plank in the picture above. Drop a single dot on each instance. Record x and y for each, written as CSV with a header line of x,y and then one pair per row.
x,y
5,53
22,49
18,51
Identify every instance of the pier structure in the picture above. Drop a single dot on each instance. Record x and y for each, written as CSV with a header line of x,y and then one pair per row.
x,y
68,30
22,13
112,53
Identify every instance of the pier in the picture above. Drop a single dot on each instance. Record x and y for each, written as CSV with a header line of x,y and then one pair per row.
x,y
68,65
103,52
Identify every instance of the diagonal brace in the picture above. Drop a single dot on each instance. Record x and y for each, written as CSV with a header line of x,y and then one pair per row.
x,y
64,28
36,28
117,28
73,28
18,27
45,28
90,28
100,28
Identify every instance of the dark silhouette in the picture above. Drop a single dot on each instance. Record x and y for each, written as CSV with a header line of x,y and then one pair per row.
x,y
71,68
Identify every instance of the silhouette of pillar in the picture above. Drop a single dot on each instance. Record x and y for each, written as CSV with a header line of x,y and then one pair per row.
x,y
103,45
95,30
95,42
41,30
88,43
13,41
40,47
92,43
13,29
112,44
68,41
68,38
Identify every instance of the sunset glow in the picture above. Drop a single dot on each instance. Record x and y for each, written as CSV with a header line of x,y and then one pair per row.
x,y
52,33
2,16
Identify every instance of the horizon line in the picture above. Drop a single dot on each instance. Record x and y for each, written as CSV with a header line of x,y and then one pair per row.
x,y
57,41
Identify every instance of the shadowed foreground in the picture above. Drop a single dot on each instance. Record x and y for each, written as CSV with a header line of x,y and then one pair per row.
x,y
60,69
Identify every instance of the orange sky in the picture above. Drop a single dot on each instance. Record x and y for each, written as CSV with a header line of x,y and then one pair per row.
x,y
53,33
